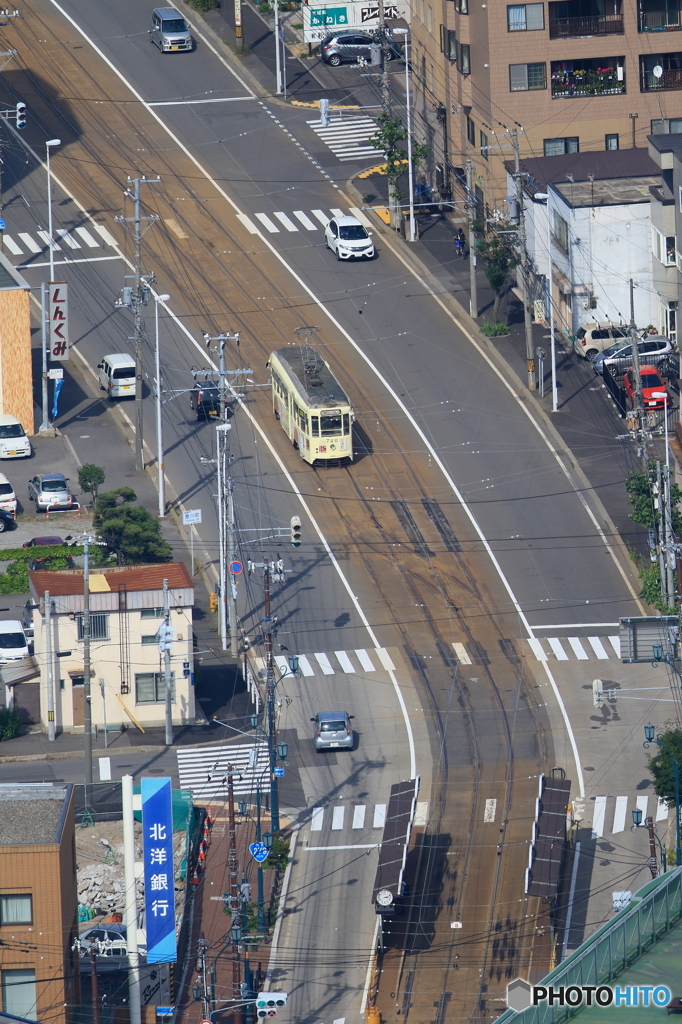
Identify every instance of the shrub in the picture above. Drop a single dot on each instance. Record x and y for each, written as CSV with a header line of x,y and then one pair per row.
x,y
279,854
10,723
203,5
496,330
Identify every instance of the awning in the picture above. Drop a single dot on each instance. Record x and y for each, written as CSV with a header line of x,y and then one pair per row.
x,y
22,671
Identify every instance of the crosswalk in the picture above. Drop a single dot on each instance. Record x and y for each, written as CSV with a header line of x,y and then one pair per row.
x,y
581,648
275,222
356,817
611,815
329,663
22,243
348,137
204,770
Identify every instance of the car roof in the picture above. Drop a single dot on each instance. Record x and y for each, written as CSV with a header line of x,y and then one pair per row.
x,y
11,626
330,715
38,541
343,221
6,419
3,479
167,12
120,358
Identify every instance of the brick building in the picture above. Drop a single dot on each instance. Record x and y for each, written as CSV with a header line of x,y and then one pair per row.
x,y
16,375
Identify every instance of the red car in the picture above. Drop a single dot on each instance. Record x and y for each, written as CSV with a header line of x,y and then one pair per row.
x,y
651,384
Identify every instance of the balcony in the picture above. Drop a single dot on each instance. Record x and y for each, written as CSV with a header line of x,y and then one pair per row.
x,y
659,15
600,77
569,19
661,72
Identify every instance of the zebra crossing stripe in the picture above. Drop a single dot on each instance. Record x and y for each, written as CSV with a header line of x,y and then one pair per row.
x,y
662,810
338,814
385,659
69,239
359,816
204,770
283,219
305,220
379,816
619,814
305,666
615,643
106,235
578,648
537,649
359,215
29,242
364,659
461,653
598,648
321,216
642,802
325,664
266,222
316,819
338,213
46,239
344,661
91,242
599,816
12,245
559,652
248,223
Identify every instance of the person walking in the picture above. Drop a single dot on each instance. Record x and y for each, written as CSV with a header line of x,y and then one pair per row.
x,y
422,193
460,243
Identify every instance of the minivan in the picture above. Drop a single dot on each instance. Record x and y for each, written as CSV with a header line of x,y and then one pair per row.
x,y
117,375
13,441
13,645
593,338
169,30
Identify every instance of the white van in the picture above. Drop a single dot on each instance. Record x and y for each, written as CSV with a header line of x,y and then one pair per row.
x,y
117,375
13,645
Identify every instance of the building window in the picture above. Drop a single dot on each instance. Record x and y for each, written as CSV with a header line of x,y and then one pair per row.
x,y
484,144
462,6
149,638
463,58
19,992
16,909
152,613
99,626
523,77
525,17
557,147
663,247
423,18
660,71
448,43
471,131
611,142
666,126
657,16
431,20
560,231
598,76
150,687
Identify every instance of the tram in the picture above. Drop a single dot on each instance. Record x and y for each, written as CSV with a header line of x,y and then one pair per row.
x,y
312,406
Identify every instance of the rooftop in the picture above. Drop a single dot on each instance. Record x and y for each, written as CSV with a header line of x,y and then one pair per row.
x,y
607,191
32,814
311,377
117,578
9,277
603,165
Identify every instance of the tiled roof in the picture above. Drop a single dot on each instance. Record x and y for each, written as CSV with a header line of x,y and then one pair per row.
x,y
63,582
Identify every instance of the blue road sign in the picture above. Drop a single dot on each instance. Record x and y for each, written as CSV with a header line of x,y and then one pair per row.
x,y
2,224
235,568
165,1011
279,773
259,852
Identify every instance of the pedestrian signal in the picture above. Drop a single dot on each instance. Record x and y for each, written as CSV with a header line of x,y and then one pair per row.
x,y
296,531
267,1003
21,115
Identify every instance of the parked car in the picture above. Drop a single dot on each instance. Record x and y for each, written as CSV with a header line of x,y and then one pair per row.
x,y
13,644
169,31
590,339
345,47
43,542
652,385
332,730
118,375
13,441
654,350
204,399
7,520
111,945
50,491
8,499
348,238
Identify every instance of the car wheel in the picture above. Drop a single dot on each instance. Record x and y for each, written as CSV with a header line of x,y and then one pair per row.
x,y
3,525
591,353
334,60
337,255
38,509
389,55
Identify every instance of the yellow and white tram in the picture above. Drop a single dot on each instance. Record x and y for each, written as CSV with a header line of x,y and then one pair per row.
x,y
312,406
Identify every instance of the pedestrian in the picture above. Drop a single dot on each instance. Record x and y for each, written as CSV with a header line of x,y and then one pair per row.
x,y
460,243
422,192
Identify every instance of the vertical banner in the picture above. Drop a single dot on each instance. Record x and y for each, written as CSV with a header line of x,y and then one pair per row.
x,y
238,18
159,890
58,320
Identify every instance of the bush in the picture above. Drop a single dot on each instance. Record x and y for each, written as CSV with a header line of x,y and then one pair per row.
x,y
90,478
203,5
129,530
15,579
496,330
10,723
279,854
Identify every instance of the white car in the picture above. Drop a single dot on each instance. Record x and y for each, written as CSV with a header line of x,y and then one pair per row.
x,y
13,441
8,499
13,644
348,238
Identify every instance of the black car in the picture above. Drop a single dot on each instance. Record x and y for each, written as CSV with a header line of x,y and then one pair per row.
x,y
204,399
346,47
7,521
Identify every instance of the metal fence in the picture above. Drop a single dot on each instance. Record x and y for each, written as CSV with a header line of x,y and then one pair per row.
x,y
654,910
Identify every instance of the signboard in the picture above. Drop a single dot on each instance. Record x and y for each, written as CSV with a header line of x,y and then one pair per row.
x,y
159,889
318,18
58,320
235,568
193,515
57,374
259,852
279,773
155,987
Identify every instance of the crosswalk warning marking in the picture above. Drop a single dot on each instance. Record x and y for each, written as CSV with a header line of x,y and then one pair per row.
x,y
46,239
490,810
619,814
662,810
316,819
266,222
305,665
379,816
559,652
12,245
537,649
283,219
578,649
461,653
325,664
359,816
69,239
305,220
248,223
29,242
344,661
598,648
385,659
364,659
615,643
359,215
599,816
321,216
87,238
337,817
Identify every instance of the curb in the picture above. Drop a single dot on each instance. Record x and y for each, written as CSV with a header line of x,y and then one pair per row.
x,y
107,752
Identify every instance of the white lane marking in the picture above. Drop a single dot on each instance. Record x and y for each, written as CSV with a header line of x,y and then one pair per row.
x,y
350,846
105,233
575,625
69,239
661,810
265,220
339,1020
578,648
537,649
345,662
642,802
305,220
281,662
46,239
12,245
359,816
338,213
316,819
619,814
70,263
385,660
29,242
305,666
364,659
615,643
248,223
461,652
559,652
325,664
379,816
337,817
322,217
490,809
359,215
599,815
87,238
283,219
598,648
194,103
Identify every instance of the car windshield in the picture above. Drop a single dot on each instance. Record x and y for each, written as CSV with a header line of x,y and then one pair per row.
x,y
651,380
10,641
174,25
54,485
5,489
124,373
352,231
12,430
330,423
618,347
332,726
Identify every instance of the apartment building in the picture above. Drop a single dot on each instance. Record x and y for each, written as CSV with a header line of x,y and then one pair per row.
x,y
567,75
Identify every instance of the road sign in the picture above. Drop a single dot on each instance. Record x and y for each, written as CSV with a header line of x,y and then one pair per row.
x,y
279,773
191,516
235,568
57,374
167,1011
2,224
259,852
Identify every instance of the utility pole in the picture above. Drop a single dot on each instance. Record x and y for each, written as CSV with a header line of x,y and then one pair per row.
x,y
131,900
50,667
94,992
222,373
523,276
385,85
138,297
221,445
471,211
87,697
233,869
167,664
270,700
201,971
231,555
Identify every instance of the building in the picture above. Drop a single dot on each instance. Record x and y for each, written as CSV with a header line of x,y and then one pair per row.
x,y
39,972
16,373
666,221
600,215
127,680
568,75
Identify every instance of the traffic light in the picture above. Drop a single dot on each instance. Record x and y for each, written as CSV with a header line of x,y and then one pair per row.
x,y
165,637
597,693
296,531
213,602
21,115
267,1003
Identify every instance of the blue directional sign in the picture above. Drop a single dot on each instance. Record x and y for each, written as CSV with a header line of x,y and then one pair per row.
x,y
2,224
259,852
159,879
279,773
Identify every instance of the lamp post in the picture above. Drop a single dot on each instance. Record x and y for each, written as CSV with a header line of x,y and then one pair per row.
x,y
48,145
45,427
545,196
653,839
651,737
159,399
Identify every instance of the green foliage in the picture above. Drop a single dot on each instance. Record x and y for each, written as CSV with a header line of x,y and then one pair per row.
x,y
391,132
15,579
651,591
203,5
278,855
661,765
496,330
10,723
500,255
130,531
640,491
90,478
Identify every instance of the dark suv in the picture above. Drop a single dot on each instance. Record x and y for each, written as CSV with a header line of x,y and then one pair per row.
x,y
346,47
205,401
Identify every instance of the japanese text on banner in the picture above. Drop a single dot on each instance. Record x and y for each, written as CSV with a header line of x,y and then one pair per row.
x,y
58,320
159,890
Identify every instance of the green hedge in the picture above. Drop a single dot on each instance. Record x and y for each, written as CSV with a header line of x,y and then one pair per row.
x,y
203,5
15,580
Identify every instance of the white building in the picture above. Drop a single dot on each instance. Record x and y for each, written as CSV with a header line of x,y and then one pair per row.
x,y
126,609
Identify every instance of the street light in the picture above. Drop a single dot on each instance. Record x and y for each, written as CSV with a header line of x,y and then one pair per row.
x,y
649,825
159,421
48,145
649,733
545,196
45,423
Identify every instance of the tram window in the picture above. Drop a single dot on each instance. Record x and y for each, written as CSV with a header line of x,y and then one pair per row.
x,y
346,423
302,421
315,426
331,423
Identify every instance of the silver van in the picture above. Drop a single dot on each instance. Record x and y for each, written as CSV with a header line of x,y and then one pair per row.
x,y
117,375
169,30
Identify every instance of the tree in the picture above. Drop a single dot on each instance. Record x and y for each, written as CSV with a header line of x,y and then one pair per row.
x,y
661,765
129,530
640,491
90,478
500,256
391,132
